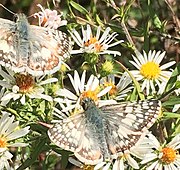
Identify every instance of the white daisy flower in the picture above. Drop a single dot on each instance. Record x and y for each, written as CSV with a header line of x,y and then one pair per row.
x,y
21,85
9,130
90,89
90,43
119,90
150,72
50,18
5,157
163,157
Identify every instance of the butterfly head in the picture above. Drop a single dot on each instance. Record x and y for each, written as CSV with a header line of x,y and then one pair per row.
x,y
20,17
87,102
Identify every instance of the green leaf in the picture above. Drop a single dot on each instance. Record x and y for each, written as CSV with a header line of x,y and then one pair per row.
x,y
171,115
173,78
171,102
156,21
141,95
38,148
65,155
79,8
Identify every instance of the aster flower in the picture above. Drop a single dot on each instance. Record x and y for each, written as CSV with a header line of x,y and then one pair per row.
x,y
150,72
163,156
9,131
90,89
119,90
5,157
50,18
90,43
18,86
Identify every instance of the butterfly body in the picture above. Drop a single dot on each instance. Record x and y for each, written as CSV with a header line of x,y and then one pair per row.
x,y
103,133
96,126
31,49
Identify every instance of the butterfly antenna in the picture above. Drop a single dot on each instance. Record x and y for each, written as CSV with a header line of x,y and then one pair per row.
x,y
7,9
46,124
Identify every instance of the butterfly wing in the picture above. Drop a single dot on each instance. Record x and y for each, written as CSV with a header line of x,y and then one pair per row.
x,y
71,134
37,50
48,48
127,122
7,50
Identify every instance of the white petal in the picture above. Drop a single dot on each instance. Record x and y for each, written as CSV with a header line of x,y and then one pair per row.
x,y
81,88
116,165
18,144
18,133
76,37
77,82
89,83
23,99
104,36
104,91
158,58
95,84
136,64
98,32
151,167
140,57
9,96
132,162
11,127
149,157
175,141
167,65
66,93
99,165
51,80
6,124
107,166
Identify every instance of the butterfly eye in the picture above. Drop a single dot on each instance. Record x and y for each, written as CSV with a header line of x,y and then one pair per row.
x,y
15,17
86,102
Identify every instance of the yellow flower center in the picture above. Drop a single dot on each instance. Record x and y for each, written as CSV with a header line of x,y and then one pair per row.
x,y
90,94
113,90
97,45
150,70
3,142
25,83
169,155
88,167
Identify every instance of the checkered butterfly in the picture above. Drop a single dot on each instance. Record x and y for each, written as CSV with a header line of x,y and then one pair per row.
x,y
32,49
101,133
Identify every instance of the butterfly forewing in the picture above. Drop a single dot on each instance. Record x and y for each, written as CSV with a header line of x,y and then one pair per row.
x,y
126,122
71,134
123,126
32,49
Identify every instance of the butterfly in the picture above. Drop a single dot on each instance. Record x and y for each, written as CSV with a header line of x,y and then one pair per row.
x,y
99,134
31,49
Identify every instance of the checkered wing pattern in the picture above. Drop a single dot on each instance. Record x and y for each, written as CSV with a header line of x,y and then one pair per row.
x,y
32,49
128,121
71,134
124,124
